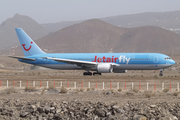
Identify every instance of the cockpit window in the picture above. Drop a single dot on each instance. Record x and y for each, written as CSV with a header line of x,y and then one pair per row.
x,y
166,58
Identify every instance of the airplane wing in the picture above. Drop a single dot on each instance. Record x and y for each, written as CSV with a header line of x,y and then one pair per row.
x,y
77,62
22,58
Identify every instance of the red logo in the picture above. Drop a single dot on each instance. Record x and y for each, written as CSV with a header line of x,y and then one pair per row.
x,y
105,59
28,48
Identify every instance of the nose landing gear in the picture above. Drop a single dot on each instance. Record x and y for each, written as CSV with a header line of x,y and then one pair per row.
x,y
161,72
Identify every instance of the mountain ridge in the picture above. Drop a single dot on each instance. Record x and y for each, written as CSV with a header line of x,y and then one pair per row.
x,y
169,20
93,36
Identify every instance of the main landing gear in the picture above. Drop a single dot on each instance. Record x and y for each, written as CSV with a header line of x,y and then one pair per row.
x,y
161,72
95,73
87,73
90,73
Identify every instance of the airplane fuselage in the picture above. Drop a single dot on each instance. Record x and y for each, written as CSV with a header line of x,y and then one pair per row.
x,y
124,61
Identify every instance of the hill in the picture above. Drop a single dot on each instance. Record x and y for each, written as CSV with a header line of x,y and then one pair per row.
x,y
8,36
89,36
168,20
53,27
98,36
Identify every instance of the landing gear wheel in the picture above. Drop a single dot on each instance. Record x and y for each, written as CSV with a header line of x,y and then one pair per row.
x,y
95,73
160,74
87,73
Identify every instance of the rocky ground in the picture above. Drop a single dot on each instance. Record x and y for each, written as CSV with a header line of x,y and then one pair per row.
x,y
62,104
18,109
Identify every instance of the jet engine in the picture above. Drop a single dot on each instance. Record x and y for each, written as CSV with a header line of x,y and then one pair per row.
x,y
104,68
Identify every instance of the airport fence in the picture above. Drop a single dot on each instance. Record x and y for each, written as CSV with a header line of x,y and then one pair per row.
x,y
94,85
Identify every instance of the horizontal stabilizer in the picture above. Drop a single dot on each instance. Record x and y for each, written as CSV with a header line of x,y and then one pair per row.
x,y
22,58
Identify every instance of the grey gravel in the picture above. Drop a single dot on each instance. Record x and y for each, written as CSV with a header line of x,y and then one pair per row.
x,y
86,110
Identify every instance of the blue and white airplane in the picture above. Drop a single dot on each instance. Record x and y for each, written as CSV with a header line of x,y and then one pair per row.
x,y
98,62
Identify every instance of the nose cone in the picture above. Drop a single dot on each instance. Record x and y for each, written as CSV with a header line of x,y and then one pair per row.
x,y
172,62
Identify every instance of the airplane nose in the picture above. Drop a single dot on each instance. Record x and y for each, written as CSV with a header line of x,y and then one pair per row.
x,y
170,62
173,62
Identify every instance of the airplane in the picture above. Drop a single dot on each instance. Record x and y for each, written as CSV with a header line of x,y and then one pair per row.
x,y
98,62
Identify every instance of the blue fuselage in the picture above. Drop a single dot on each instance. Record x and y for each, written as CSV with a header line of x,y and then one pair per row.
x,y
124,61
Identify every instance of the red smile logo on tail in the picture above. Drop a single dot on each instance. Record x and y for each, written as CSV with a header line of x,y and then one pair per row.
x,y
28,48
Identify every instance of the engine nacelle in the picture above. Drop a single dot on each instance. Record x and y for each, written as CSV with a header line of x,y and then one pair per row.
x,y
104,68
119,71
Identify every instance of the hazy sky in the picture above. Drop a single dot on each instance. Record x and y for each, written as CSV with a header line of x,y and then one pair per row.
x,y
50,11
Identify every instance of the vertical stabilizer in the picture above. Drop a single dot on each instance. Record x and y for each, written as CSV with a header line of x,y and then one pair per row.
x,y
29,47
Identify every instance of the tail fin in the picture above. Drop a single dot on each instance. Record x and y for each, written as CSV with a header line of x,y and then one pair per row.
x,y
29,47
